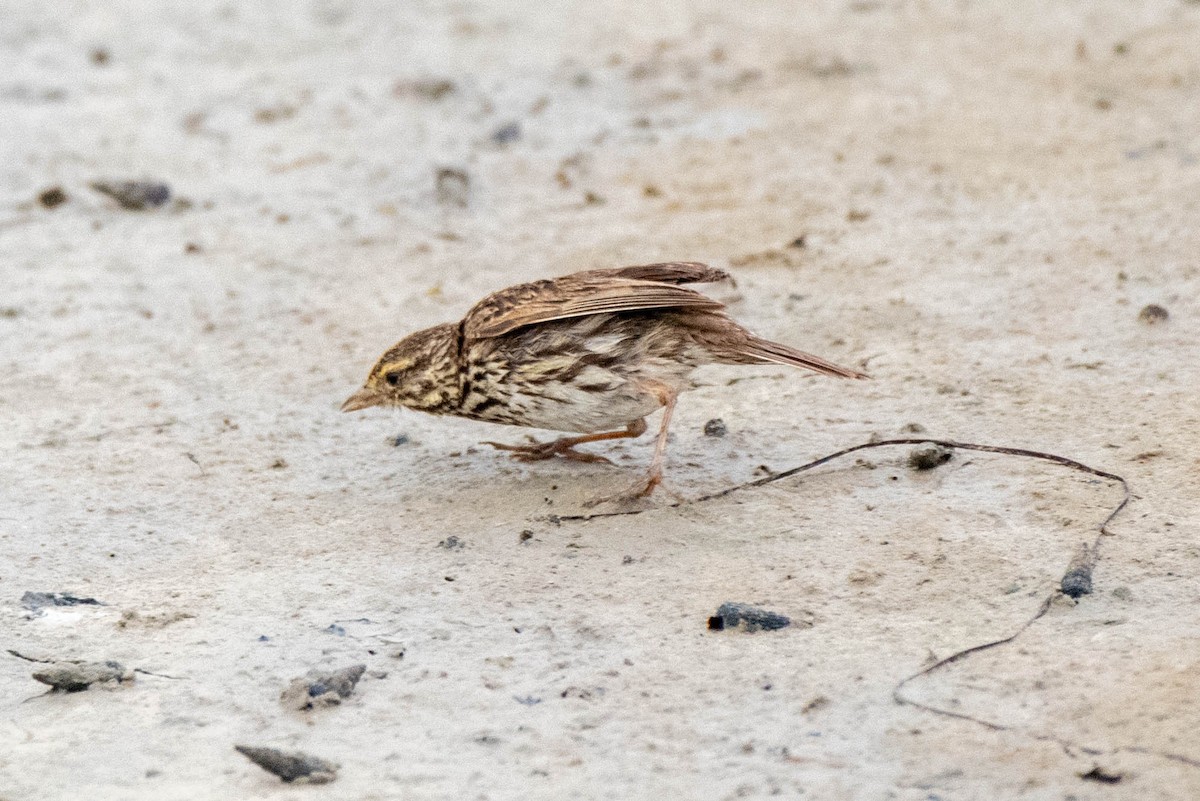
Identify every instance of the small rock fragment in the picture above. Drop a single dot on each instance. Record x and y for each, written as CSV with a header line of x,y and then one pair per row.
x,y
34,601
453,187
1099,774
319,690
507,133
425,88
1153,314
1077,581
748,618
715,428
73,677
291,766
134,195
52,197
398,440
929,456
452,543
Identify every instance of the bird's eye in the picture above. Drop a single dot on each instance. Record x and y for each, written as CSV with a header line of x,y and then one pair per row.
x,y
392,378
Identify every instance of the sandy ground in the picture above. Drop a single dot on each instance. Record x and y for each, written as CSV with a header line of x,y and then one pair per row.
x,y
988,195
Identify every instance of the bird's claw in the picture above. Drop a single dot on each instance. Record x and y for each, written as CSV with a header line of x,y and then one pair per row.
x,y
641,489
548,450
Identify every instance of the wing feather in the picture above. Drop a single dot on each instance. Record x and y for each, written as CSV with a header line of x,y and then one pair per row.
x,y
651,286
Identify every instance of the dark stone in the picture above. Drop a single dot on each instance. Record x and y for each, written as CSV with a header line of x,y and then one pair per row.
x,y
929,456
1099,774
134,195
506,134
749,618
1077,581
290,766
34,601
715,428
1153,314
52,197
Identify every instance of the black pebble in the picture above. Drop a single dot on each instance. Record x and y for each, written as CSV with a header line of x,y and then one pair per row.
x,y
1153,314
929,456
54,196
750,618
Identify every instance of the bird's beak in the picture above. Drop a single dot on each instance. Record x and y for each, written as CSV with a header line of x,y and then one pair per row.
x,y
363,399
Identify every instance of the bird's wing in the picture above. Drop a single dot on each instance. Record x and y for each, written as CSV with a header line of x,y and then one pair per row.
x,y
650,286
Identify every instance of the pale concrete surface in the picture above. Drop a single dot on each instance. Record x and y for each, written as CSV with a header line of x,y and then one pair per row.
x,y
989,193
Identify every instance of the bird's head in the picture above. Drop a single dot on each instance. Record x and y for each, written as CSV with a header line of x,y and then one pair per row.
x,y
419,372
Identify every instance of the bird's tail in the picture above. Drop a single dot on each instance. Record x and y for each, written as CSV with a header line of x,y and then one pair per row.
x,y
764,350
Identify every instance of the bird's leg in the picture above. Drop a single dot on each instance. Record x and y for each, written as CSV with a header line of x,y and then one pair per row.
x,y
667,397
565,446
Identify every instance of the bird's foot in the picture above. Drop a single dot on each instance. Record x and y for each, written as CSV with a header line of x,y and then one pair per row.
x,y
564,448
642,489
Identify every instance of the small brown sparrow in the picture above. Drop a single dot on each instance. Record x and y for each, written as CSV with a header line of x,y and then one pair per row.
x,y
593,353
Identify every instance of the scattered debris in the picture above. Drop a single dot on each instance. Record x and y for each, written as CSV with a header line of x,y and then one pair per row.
x,y
74,677
131,618
1077,580
748,618
52,197
319,690
291,767
425,88
273,114
929,456
715,428
507,133
134,195
35,601
525,536
1099,774
452,543
1153,314
770,257
453,187
819,702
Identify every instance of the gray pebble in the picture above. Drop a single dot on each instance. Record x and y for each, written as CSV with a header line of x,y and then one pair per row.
x,y
291,766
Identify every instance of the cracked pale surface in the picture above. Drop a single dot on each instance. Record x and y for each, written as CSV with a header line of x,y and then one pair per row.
x,y
989,194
